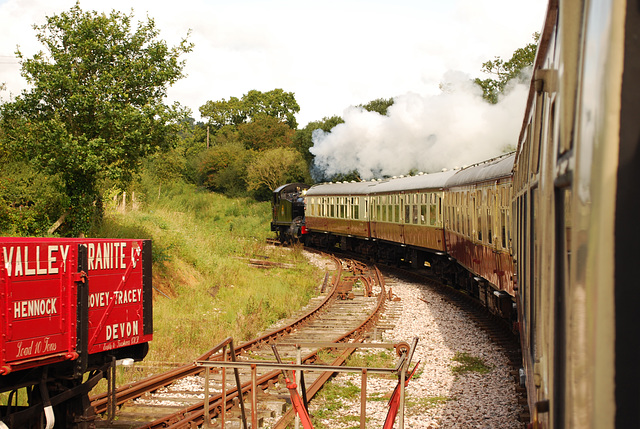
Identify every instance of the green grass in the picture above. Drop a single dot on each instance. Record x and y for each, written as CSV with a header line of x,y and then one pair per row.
x,y
418,405
205,289
374,359
333,397
468,363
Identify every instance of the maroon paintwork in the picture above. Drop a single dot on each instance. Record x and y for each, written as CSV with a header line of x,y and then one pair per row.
x,y
348,227
496,266
426,237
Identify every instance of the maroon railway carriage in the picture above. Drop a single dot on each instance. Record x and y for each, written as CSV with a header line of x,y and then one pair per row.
x,y
391,220
407,210
478,231
69,306
337,212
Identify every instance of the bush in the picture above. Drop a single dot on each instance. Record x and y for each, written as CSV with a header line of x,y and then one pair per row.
x,y
30,201
224,169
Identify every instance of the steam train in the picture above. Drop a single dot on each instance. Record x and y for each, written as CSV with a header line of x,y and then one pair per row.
x,y
70,308
546,236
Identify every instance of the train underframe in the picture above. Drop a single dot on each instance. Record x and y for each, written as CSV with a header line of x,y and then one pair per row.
x,y
444,268
57,395
289,232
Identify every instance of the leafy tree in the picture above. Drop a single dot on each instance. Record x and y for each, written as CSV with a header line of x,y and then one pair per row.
x,y
192,141
303,139
274,167
506,70
28,199
95,107
168,166
223,112
345,177
379,105
276,103
265,132
223,168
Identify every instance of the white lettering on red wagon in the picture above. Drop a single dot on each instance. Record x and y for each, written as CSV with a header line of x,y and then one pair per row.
x,y
102,299
107,256
117,331
18,263
42,346
128,296
34,308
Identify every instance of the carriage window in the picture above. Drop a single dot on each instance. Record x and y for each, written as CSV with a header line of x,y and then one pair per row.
x,y
407,213
432,209
490,203
463,214
479,214
469,217
432,214
508,218
415,214
503,217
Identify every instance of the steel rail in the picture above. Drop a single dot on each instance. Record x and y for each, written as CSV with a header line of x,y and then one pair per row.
x,y
136,389
195,414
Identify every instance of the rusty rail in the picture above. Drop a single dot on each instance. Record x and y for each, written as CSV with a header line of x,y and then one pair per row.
x,y
137,389
195,414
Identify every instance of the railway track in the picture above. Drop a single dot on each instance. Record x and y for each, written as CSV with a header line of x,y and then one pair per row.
x,y
352,302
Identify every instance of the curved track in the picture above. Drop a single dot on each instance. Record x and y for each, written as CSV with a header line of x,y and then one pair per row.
x,y
344,314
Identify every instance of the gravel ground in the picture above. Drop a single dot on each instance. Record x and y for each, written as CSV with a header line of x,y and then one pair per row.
x,y
437,398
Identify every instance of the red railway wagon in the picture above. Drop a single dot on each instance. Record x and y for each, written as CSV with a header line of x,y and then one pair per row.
x,y
69,306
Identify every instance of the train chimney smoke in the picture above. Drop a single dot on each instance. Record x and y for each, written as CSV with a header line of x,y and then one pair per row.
x,y
422,133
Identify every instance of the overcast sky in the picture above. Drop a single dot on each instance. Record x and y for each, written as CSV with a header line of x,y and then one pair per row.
x,y
331,54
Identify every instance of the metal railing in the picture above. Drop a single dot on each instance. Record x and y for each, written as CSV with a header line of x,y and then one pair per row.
x,y
404,351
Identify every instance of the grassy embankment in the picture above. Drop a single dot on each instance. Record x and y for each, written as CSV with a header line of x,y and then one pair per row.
x,y
204,289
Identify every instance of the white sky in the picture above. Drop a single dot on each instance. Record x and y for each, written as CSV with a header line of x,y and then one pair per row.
x,y
331,54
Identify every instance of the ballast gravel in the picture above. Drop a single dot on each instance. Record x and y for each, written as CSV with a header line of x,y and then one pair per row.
x,y
436,397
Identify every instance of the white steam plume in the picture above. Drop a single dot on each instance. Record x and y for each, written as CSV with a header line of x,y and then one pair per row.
x,y
426,133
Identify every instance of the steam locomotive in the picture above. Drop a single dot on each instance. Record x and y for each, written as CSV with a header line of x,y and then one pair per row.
x,y
70,308
545,236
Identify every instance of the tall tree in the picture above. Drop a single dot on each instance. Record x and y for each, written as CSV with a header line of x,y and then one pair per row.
x,y
504,71
265,132
223,168
96,107
223,112
275,167
303,138
275,103
379,105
